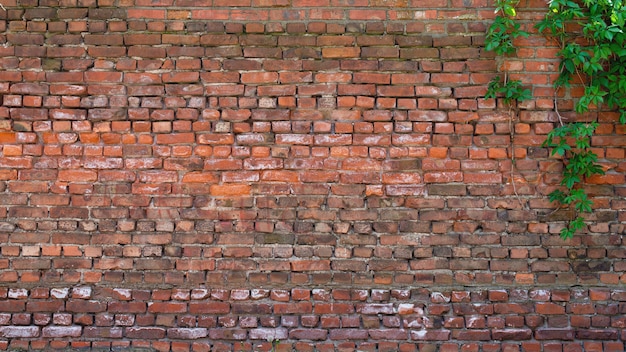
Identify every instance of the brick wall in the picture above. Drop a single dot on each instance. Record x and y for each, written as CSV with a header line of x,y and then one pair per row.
x,y
210,175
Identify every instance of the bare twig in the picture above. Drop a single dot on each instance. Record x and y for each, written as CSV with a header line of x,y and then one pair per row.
x,y
512,113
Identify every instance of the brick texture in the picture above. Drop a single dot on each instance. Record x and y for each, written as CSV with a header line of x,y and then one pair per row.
x,y
213,175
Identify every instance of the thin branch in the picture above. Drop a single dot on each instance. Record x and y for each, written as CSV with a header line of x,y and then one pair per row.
x,y
512,113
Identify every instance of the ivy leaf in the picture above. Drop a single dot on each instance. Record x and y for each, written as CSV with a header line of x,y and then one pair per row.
x,y
569,181
566,233
557,196
561,150
574,226
510,10
577,225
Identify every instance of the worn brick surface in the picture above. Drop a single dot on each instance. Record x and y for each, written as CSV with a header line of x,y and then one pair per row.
x,y
214,175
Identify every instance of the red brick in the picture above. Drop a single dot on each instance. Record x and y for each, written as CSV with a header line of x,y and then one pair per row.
x,y
345,52
430,335
167,307
549,308
348,334
82,306
126,307
145,332
209,308
19,331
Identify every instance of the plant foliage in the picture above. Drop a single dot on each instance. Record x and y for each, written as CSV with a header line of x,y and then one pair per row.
x,y
594,55
510,90
499,39
504,29
591,37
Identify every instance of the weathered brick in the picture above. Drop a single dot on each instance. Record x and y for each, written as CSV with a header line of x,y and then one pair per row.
x,y
348,334
430,335
61,331
83,306
19,331
103,332
512,334
145,332
187,333
554,334
209,307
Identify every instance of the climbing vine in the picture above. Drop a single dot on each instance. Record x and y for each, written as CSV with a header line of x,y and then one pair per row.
x,y
594,55
590,35
499,39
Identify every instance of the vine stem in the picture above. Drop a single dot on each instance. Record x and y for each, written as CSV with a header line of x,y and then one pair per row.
x,y
556,109
556,93
512,136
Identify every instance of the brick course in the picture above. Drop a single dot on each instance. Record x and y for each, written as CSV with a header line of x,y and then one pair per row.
x,y
210,175
313,319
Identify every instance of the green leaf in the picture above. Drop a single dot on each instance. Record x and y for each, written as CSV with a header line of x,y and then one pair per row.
x,y
557,196
577,225
510,10
566,233
570,180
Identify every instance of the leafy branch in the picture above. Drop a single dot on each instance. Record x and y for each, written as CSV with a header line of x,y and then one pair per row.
x,y
499,39
509,90
504,29
580,162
